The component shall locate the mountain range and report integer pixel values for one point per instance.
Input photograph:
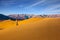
(26, 16)
(4, 17)
(13, 17)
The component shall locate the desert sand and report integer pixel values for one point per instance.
(31, 29)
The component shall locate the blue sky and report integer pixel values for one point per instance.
(29, 6)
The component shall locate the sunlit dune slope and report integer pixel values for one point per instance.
(34, 29)
(28, 21)
(7, 23)
(46, 29)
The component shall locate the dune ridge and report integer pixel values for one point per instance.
(33, 29)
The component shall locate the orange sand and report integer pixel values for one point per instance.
(31, 29)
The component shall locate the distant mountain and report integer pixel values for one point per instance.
(14, 17)
(26, 16)
(20, 16)
(47, 16)
(3, 17)
(54, 16)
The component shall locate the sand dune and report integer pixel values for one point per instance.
(30, 21)
(33, 29)
(7, 23)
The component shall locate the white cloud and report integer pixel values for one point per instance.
(54, 11)
(37, 3)
(54, 7)
(43, 2)
(51, 8)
